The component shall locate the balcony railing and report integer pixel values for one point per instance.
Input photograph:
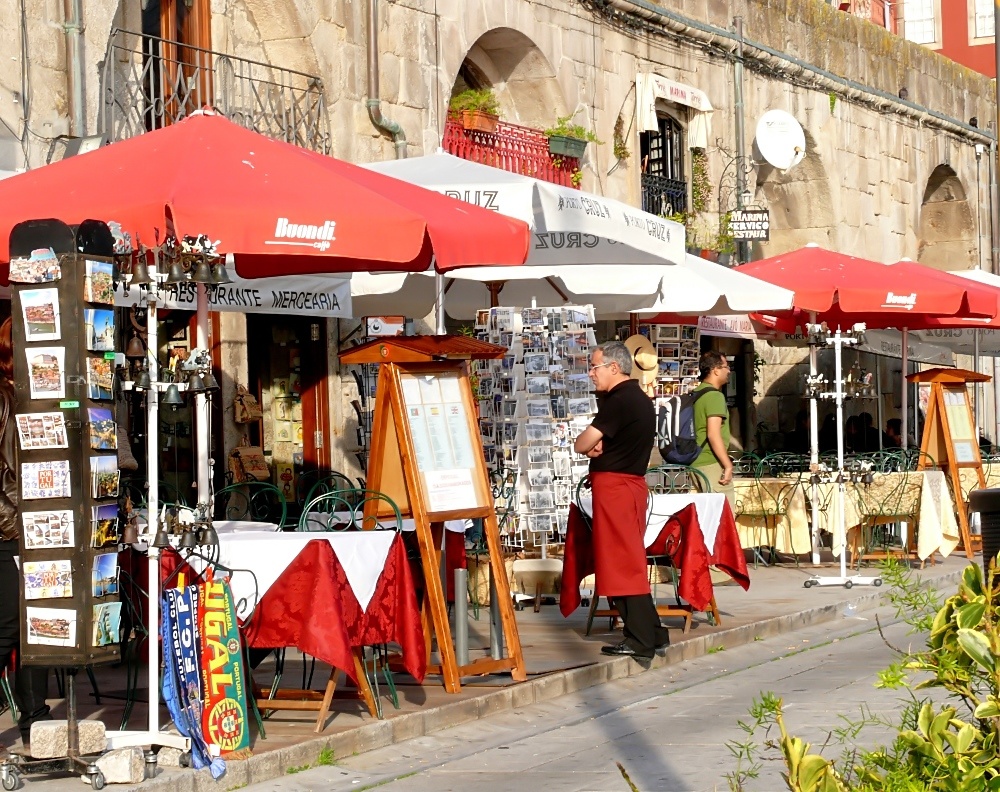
(511, 148)
(149, 82)
(662, 196)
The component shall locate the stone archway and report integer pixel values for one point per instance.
(524, 81)
(946, 238)
(800, 203)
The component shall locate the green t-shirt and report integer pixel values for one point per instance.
(707, 405)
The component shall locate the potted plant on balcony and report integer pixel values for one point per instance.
(569, 140)
(477, 108)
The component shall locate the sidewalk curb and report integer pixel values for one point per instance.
(269, 765)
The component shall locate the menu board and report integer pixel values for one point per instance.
(963, 435)
(443, 444)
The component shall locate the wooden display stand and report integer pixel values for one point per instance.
(949, 437)
(426, 456)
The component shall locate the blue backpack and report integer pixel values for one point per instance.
(675, 430)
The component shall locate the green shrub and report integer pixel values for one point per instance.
(482, 99)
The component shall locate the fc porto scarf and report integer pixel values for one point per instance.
(181, 680)
(225, 715)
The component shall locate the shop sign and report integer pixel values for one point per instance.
(301, 295)
(750, 225)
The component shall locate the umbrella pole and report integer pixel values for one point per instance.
(204, 448)
(975, 385)
(814, 451)
(904, 397)
(439, 303)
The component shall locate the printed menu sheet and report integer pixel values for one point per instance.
(442, 441)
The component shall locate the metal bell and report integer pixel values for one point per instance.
(196, 384)
(135, 348)
(162, 538)
(130, 535)
(210, 382)
(188, 540)
(140, 274)
(202, 273)
(175, 272)
(142, 382)
(220, 274)
(172, 397)
(207, 535)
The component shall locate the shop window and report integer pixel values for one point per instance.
(664, 185)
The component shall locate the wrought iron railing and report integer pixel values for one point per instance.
(662, 196)
(150, 82)
(511, 148)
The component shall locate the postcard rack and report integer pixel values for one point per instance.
(63, 333)
(532, 405)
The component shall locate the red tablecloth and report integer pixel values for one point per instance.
(681, 538)
(312, 607)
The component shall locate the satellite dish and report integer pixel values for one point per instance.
(780, 139)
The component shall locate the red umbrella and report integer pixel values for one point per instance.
(278, 208)
(842, 290)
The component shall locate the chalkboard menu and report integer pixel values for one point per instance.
(63, 334)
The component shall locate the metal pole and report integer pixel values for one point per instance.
(439, 303)
(496, 626)
(841, 490)
(904, 397)
(462, 617)
(153, 513)
(741, 247)
(814, 451)
(204, 444)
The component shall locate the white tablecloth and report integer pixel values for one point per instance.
(267, 554)
(661, 508)
(318, 521)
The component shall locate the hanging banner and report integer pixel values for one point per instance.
(300, 295)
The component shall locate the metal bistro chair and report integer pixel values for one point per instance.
(503, 485)
(891, 499)
(258, 501)
(766, 502)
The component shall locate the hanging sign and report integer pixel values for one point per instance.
(301, 295)
(750, 225)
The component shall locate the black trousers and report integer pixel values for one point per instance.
(641, 623)
(31, 683)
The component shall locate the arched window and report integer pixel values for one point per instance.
(664, 182)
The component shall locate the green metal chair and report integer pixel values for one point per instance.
(891, 498)
(257, 501)
(331, 481)
(664, 479)
(776, 480)
(503, 486)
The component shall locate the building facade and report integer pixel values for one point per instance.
(958, 29)
(886, 174)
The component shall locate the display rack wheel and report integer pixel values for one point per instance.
(185, 759)
(877, 582)
(10, 779)
(97, 780)
(848, 584)
(808, 583)
(149, 768)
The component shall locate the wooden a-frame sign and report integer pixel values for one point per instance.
(949, 437)
(426, 456)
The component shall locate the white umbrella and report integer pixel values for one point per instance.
(702, 287)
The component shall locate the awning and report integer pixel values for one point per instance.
(650, 87)
(299, 295)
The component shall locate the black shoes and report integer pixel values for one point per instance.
(624, 650)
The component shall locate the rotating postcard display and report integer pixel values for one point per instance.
(63, 330)
(532, 405)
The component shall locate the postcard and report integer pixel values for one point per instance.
(98, 282)
(48, 579)
(45, 529)
(560, 464)
(668, 333)
(47, 372)
(105, 574)
(40, 308)
(538, 385)
(99, 382)
(536, 363)
(104, 525)
(99, 328)
(540, 523)
(41, 430)
(45, 480)
(51, 626)
(541, 499)
(41, 267)
(103, 432)
(539, 477)
(107, 623)
(104, 476)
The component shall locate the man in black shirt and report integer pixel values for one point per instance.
(619, 442)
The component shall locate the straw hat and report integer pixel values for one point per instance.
(644, 361)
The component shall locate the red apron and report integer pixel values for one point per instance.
(619, 529)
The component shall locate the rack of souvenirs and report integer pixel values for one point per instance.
(533, 404)
(678, 347)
